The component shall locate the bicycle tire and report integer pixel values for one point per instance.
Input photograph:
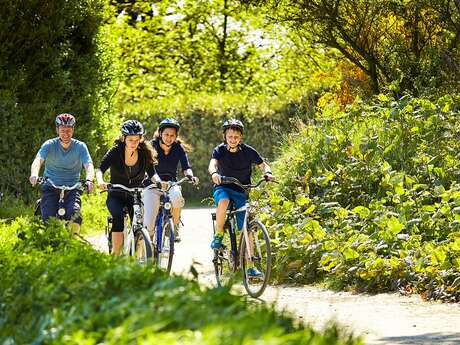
(38, 209)
(261, 258)
(143, 251)
(225, 259)
(164, 257)
(108, 234)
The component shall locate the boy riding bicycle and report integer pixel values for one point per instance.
(233, 158)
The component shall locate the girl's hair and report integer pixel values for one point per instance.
(144, 146)
(187, 147)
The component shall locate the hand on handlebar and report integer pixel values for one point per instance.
(216, 178)
(33, 180)
(102, 185)
(89, 186)
(269, 177)
(193, 179)
(164, 185)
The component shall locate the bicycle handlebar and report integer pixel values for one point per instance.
(115, 186)
(230, 180)
(42, 180)
(170, 184)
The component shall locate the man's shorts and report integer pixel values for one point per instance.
(50, 202)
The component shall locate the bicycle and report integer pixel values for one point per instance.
(163, 235)
(60, 214)
(254, 245)
(136, 239)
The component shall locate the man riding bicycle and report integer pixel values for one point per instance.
(233, 158)
(64, 157)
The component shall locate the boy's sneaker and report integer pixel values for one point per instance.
(253, 272)
(217, 241)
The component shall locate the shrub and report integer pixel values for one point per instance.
(57, 290)
(369, 198)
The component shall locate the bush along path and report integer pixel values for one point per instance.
(369, 199)
(57, 290)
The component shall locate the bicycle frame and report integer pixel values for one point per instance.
(136, 223)
(164, 217)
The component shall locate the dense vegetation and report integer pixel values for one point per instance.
(51, 62)
(57, 290)
(369, 198)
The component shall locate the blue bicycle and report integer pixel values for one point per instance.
(163, 236)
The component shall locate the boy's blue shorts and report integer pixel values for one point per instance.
(238, 199)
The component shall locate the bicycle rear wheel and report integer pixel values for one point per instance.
(165, 255)
(261, 257)
(143, 251)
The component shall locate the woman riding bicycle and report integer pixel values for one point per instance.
(170, 152)
(232, 158)
(128, 160)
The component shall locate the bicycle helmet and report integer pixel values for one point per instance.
(233, 123)
(132, 127)
(169, 122)
(65, 120)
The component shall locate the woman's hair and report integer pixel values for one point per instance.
(187, 147)
(144, 146)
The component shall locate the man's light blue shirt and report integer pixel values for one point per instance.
(63, 167)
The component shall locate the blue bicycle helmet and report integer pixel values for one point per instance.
(169, 123)
(132, 127)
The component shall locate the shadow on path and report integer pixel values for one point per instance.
(424, 339)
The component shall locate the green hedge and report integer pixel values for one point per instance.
(370, 198)
(50, 62)
(56, 290)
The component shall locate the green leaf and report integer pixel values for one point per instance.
(362, 211)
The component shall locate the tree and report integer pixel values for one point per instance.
(174, 47)
(412, 44)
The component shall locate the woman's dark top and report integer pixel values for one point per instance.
(167, 163)
(120, 173)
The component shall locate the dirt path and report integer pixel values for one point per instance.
(380, 319)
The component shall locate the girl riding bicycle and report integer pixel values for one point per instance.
(128, 160)
(233, 158)
(170, 152)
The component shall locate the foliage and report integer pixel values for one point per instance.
(369, 198)
(57, 290)
(50, 63)
(94, 213)
(404, 46)
(175, 47)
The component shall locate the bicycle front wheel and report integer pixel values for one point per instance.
(143, 251)
(165, 255)
(260, 259)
